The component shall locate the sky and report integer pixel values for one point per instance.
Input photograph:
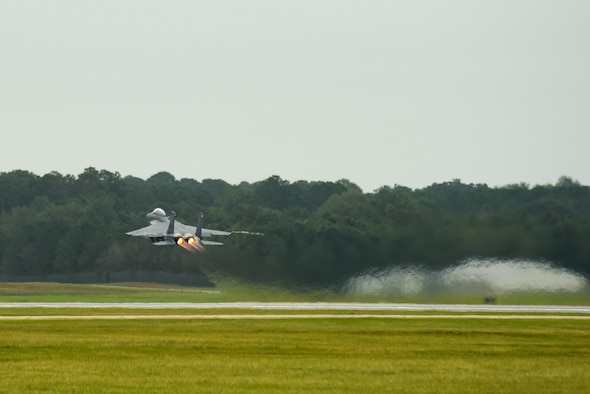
(381, 93)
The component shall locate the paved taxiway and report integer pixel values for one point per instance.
(296, 316)
(351, 310)
(310, 306)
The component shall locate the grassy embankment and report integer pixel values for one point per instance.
(232, 291)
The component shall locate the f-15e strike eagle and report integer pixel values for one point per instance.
(165, 230)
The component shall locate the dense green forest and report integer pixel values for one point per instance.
(316, 233)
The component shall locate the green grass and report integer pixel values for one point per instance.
(121, 292)
(293, 356)
(227, 291)
(232, 291)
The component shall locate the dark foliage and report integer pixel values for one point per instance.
(315, 232)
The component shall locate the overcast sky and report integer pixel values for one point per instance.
(378, 92)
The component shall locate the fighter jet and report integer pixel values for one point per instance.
(165, 230)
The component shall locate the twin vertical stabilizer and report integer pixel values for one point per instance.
(199, 230)
(171, 224)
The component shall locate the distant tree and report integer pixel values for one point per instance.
(216, 187)
(57, 188)
(348, 185)
(16, 189)
(272, 193)
(565, 181)
(161, 179)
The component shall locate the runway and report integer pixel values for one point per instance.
(291, 317)
(352, 308)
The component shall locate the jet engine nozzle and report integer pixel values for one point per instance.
(179, 239)
(191, 239)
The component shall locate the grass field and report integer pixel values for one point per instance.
(232, 291)
(321, 355)
(302, 355)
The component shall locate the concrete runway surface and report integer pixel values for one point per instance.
(308, 306)
(353, 310)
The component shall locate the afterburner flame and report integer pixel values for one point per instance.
(180, 241)
(197, 245)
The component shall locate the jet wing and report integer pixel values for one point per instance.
(205, 232)
(155, 229)
(211, 243)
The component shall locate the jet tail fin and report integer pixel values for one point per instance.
(199, 231)
(171, 224)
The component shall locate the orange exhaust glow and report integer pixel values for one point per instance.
(185, 246)
(180, 241)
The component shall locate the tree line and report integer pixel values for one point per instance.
(315, 233)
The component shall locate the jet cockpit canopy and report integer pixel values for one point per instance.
(157, 214)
